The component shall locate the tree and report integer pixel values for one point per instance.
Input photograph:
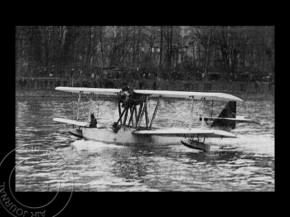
(227, 49)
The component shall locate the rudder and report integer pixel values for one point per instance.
(228, 112)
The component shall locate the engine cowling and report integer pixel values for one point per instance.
(128, 98)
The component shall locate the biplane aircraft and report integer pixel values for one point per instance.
(133, 109)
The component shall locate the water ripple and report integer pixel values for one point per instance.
(97, 166)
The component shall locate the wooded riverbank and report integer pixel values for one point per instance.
(48, 85)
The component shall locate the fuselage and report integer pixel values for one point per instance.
(125, 136)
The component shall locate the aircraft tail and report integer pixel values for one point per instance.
(228, 112)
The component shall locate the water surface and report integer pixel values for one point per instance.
(95, 166)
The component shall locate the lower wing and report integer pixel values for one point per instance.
(179, 132)
(73, 122)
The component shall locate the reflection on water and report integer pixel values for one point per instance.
(97, 166)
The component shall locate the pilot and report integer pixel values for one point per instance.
(115, 127)
(93, 123)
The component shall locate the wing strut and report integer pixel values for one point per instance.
(191, 113)
(120, 118)
(203, 112)
(155, 111)
(132, 110)
(211, 108)
(120, 113)
(139, 115)
(126, 115)
(144, 109)
(79, 100)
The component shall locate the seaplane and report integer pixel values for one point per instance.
(134, 125)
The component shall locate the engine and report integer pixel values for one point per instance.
(128, 98)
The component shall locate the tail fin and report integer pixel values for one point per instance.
(228, 112)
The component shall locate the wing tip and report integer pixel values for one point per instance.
(59, 88)
(239, 99)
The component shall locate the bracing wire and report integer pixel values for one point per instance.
(98, 110)
(191, 114)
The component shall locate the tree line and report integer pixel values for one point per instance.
(165, 52)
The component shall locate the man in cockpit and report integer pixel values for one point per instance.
(93, 123)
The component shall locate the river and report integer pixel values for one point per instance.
(95, 166)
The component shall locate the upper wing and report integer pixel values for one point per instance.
(185, 132)
(188, 95)
(155, 93)
(87, 90)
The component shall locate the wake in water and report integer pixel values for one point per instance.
(92, 145)
(256, 144)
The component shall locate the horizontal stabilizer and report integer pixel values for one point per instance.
(185, 132)
(73, 122)
(238, 119)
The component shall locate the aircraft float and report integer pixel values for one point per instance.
(133, 110)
